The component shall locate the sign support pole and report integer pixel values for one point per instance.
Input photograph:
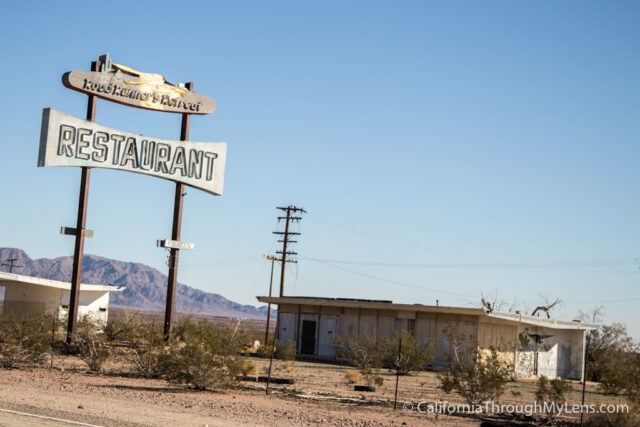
(175, 234)
(76, 275)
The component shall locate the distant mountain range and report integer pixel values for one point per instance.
(146, 287)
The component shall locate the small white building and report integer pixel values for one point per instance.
(534, 345)
(31, 295)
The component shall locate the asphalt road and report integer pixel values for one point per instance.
(27, 419)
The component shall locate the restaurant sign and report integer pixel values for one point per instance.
(69, 141)
(127, 86)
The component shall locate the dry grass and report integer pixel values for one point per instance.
(353, 377)
(247, 367)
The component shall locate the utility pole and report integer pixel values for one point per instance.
(172, 280)
(285, 239)
(272, 259)
(11, 264)
(283, 260)
(83, 199)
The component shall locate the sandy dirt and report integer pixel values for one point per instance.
(68, 392)
(114, 397)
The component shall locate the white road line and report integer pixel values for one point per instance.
(48, 418)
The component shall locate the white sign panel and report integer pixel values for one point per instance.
(177, 244)
(69, 141)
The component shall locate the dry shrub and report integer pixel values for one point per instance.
(247, 367)
(630, 387)
(202, 355)
(144, 357)
(353, 377)
(552, 392)
(131, 330)
(363, 352)
(477, 377)
(287, 351)
(24, 341)
(619, 365)
(90, 345)
(412, 355)
(378, 380)
(265, 349)
(607, 352)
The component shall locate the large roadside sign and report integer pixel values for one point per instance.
(69, 141)
(137, 89)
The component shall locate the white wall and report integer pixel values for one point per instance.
(287, 327)
(328, 330)
(89, 303)
(25, 298)
(559, 355)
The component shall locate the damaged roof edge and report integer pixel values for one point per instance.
(373, 304)
(546, 323)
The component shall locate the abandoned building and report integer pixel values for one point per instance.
(535, 345)
(25, 295)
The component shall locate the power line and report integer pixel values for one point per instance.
(613, 301)
(524, 265)
(394, 281)
(633, 299)
(220, 262)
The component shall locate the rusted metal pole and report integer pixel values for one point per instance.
(395, 399)
(153, 323)
(584, 378)
(266, 335)
(53, 339)
(273, 350)
(78, 251)
(175, 235)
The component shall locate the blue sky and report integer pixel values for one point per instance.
(442, 149)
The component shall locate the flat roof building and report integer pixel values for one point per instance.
(30, 295)
(535, 346)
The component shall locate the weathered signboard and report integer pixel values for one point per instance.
(176, 244)
(70, 231)
(137, 89)
(69, 141)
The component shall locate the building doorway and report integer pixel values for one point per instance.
(308, 341)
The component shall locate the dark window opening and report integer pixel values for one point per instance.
(308, 342)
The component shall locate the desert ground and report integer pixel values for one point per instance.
(62, 391)
(320, 396)
(68, 392)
